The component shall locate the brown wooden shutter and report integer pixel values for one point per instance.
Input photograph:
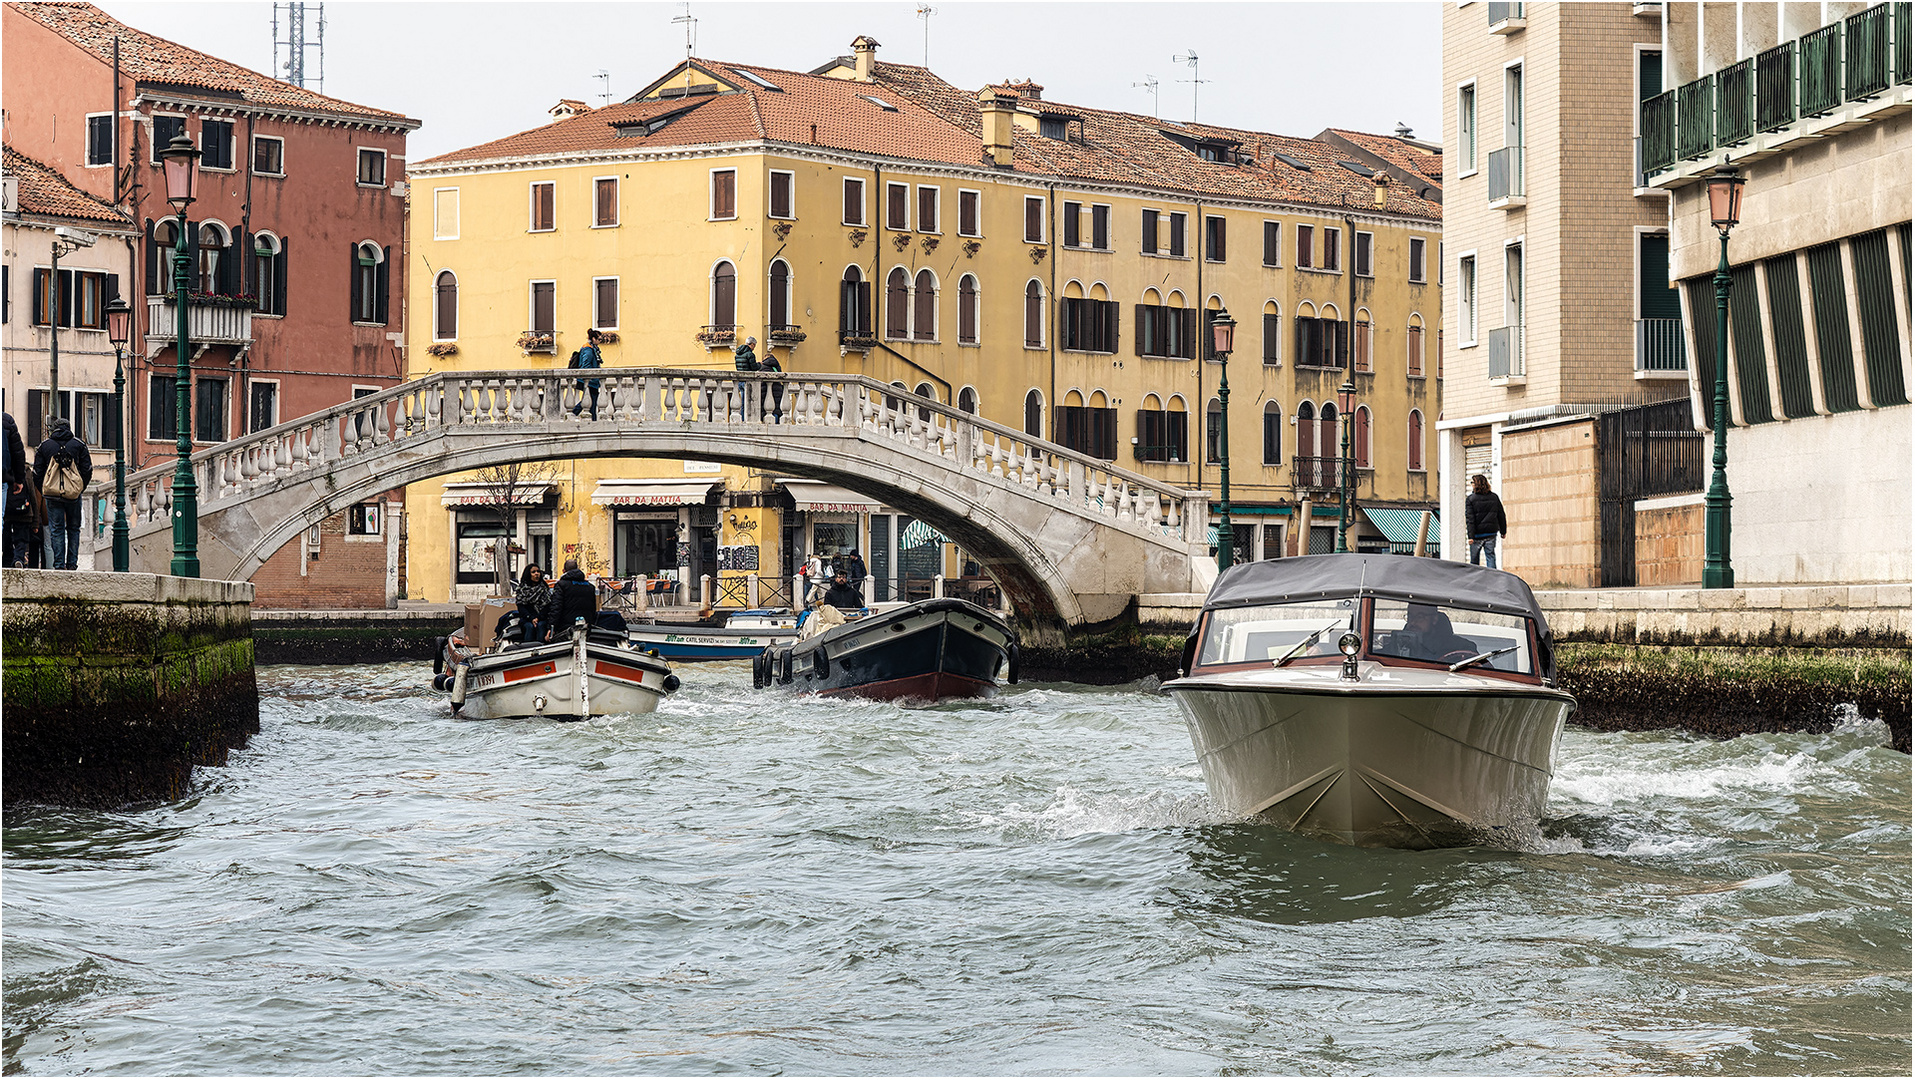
(447, 297)
(854, 202)
(894, 207)
(724, 296)
(1177, 234)
(1271, 230)
(607, 191)
(896, 304)
(1100, 227)
(928, 209)
(607, 303)
(967, 311)
(1189, 335)
(1270, 340)
(967, 213)
(1140, 332)
(1072, 228)
(544, 314)
(1034, 221)
(780, 293)
(724, 194)
(1033, 315)
(924, 308)
(1306, 246)
(1149, 229)
(781, 195)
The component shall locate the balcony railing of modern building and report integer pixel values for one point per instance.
(1506, 18)
(1756, 105)
(1506, 176)
(1506, 353)
(1659, 347)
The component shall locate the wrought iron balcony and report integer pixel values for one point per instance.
(858, 339)
(1659, 346)
(1314, 473)
(785, 334)
(539, 341)
(718, 335)
(210, 320)
(1506, 353)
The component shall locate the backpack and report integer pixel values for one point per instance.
(574, 361)
(65, 481)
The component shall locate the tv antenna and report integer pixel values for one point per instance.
(925, 11)
(297, 42)
(605, 80)
(1194, 81)
(1150, 84)
(691, 29)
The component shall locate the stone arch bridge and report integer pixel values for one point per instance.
(1073, 540)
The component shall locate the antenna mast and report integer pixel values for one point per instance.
(925, 11)
(1150, 84)
(1194, 81)
(691, 38)
(605, 80)
(296, 43)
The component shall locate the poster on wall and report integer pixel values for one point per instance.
(740, 557)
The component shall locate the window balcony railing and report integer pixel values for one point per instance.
(1900, 28)
(1735, 103)
(1659, 345)
(1865, 37)
(717, 335)
(1820, 91)
(1314, 473)
(1775, 87)
(209, 320)
(1158, 453)
(858, 339)
(1506, 353)
(1657, 122)
(1506, 18)
(786, 334)
(1506, 173)
(1695, 118)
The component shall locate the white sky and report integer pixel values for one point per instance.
(475, 71)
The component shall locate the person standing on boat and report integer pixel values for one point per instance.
(1484, 521)
(535, 598)
(572, 598)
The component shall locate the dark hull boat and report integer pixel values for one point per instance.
(925, 651)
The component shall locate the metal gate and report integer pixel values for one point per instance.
(1641, 452)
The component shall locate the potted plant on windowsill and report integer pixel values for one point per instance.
(713, 337)
(539, 341)
(443, 348)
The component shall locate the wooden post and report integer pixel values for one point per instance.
(1300, 540)
(1423, 534)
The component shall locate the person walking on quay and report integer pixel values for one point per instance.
(1484, 521)
(71, 468)
(587, 359)
(853, 565)
(534, 596)
(25, 513)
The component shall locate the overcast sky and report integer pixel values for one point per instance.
(474, 71)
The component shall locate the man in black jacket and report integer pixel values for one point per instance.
(1484, 521)
(573, 597)
(842, 594)
(63, 511)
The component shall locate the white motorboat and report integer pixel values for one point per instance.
(744, 634)
(1377, 700)
(589, 672)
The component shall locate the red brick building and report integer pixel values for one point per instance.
(296, 288)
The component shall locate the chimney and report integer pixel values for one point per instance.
(568, 108)
(1403, 130)
(867, 52)
(1026, 89)
(1382, 189)
(995, 107)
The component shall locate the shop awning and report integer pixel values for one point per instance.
(481, 493)
(652, 492)
(816, 495)
(1398, 526)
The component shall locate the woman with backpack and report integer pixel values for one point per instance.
(63, 468)
(587, 359)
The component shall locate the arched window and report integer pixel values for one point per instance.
(1360, 437)
(159, 274)
(212, 258)
(967, 401)
(1272, 334)
(1327, 447)
(1414, 361)
(967, 310)
(854, 304)
(924, 307)
(1416, 440)
(1362, 348)
(1213, 431)
(1310, 469)
(445, 306)
(724, 296)
(368, 283)
(780, 294)
(925, 390)
(266, 274)
(1272, 433)
(1033, 316)
(897, 304)
(1034, 414)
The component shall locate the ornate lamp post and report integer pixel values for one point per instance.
(1725, 209)
(181, 160)
(1346, 408)
(119, 330)
(1223, 335)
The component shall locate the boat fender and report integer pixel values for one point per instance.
(458, 688)
(784, 665)
(821, 662)
(1010, 671)
(671, 684)
(438, 655)
(760, 671)
(442, 682)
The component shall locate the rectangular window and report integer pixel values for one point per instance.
(1272, 242)
(1418, 270)
(853, 201)
(724, 194)
(263, 412)
(968, 213)
(1177, 234)
(82, 299)
(1088, 326)
(1073, 229)
(216, 144)
(1466, 298)
(1161, 436)
(1167, 332)
(165, 130)
(1466, 126)
(445, 213)
(544, 308)
(1332, 249)
(1033, 220)
(99, 139)
(605, 202)
(269, 155)
(1362, 255)
(372, 167)
(1088, 430)
(209, 410)
(1513, 105)
(1306, 246)
(928, 209)
(1321, 343)
(1100, 227)
(162, 404)
(544, 208)
(897, 207)
(781, 183)
(1213, 239)
(1148, 231)
(605, 303)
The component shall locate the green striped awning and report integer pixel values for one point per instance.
(1399, 526)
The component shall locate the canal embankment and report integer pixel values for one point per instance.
(117, 685)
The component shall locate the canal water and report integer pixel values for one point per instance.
(754, 883)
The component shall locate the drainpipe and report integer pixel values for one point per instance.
(1203, 403)
(1051, 245)
(247, 253)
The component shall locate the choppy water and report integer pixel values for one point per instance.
(750, 883)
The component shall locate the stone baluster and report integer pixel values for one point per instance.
(382, 422)
(648, 403)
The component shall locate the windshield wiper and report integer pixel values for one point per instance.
(1480, 657)
(1298, 648)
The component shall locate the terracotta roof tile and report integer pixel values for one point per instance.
(1404, 155)
(44, 191)
(149, 58)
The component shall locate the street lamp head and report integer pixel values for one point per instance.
(1346, 397)
(1725, 196)
(181, 159)
(1223, 331)
(119, 322)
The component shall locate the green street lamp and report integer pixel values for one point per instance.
(1223, 335)
(181, 161)
(1725, 209)
(1346, 409)
(119, 330)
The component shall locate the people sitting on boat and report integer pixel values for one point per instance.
(1427, 635)
(574, 598)
(843, 594)
(534, 596)
(818, 619)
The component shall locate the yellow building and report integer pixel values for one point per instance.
(1040, 264)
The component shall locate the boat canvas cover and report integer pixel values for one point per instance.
(1396, 577)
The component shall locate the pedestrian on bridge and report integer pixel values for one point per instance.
(588, 359)
(745, 357)
(773, 387)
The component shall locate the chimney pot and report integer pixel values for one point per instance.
(866, 50)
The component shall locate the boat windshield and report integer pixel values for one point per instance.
(1444, 634)
(1270, 631)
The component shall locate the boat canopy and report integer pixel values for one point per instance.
(1399, 577)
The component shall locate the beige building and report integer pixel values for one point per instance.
(1558, 308)
(1811, 103)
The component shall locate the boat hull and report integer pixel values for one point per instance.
(707, 643)
(545, 681)
(927, 651)
(1403, 766)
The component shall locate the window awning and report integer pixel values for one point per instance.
(1398, 526)
(652, 492)
(816, 495)
(481, 493)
